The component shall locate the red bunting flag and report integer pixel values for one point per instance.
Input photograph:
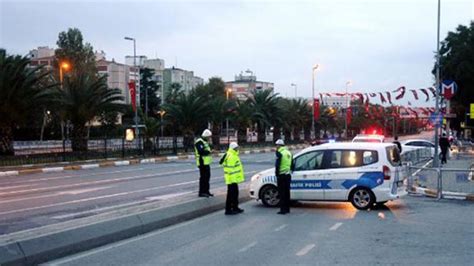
(415, 94)
(426, 94)
(389, 97)
(402, 93)
(382, 98)
(316, 109)
(433, 91)
(349, 115)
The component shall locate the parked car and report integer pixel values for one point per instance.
(362, 173)
(413, 144)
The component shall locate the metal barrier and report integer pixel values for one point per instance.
(451, 180)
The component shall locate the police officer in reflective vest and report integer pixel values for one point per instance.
(283, 163)
(202, 152)
(233, 174)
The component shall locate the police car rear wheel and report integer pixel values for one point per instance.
(269, 196)
(362, 198)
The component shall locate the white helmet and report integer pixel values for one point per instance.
(233, 145)
(280, 142)
(206, 133)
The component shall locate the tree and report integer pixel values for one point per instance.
(265, 107)
(457, 63)
(149, 87)
(188, 113)
(23, 90)
(242, 119)
(152, 128)
(80, 55)
(175, 92)
(83, 99)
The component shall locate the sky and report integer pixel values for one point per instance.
(377, 45)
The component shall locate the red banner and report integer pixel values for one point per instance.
(316, 109)
(349, 115)
(133, 94)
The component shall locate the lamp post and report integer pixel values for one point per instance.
(436, 157)
(137, 95)
(315, 67)
(348, 83)
(161, 113)
(63, 66)
(294, 85)
(227, 92)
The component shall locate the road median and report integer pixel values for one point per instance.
(38, 245)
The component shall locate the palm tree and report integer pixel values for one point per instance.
(265, 106)
(83, 99)
(22, 91)
(188, 114)
(152, 128)
(242, 119)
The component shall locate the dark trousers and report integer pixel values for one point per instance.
(283, 182)
(443, 155)
(232, 200)
(204, 176)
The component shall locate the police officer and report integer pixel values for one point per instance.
(283, 163)
(233, 174)
(203, 155)
(444, 144)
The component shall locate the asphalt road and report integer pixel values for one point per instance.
(410, 231)
(41, 199)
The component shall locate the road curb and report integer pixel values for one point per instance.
(53, 245)
(432, 193)
(128, 162)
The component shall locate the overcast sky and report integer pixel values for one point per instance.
(378, 45)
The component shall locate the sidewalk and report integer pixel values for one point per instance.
(59, 167)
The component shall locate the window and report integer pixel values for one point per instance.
(393, 156)
(309, 161)
(352, 158)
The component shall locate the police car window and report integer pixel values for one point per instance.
(369, 157)
(309, 161)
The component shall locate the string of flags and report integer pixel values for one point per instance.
(386, 96)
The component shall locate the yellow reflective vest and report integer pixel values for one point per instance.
(202, 159)
(233, 169)
(285, 159)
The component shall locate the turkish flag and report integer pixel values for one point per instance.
(133, 94)
(316, 109)
(349, 115)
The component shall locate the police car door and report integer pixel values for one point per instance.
(306, 182)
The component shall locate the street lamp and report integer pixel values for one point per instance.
(315, 67)
(137, 95)
(436, 157)
(63, 66)
(294, 85)
(161, 113)
(348, 83)
(227, 92)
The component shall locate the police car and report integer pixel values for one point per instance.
(362, 173)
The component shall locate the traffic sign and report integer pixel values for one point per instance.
(436, 119)
(448, 89)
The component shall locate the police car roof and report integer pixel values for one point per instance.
(349, 145)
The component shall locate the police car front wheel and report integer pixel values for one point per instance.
(270, 196)
(362, 198)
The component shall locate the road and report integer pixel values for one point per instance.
(37, 200)
(414, 231)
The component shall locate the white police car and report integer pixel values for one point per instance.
(362, 173)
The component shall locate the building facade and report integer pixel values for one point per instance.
(118, 76)
(185, 78)
(243, 86)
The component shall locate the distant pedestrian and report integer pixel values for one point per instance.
(233, 175)
(444, 144)
(283, 163)
(399, 145)
(203, 155)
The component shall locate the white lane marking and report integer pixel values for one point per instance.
(81, 191)
(12, 187)
(129, 241)
(280, 227)
(96, 210)
(169, 196)
(335, 226)
(249, 246)
(95, 198)
(106, 181)
(305, 250)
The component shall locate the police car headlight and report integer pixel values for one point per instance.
(255, 177)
